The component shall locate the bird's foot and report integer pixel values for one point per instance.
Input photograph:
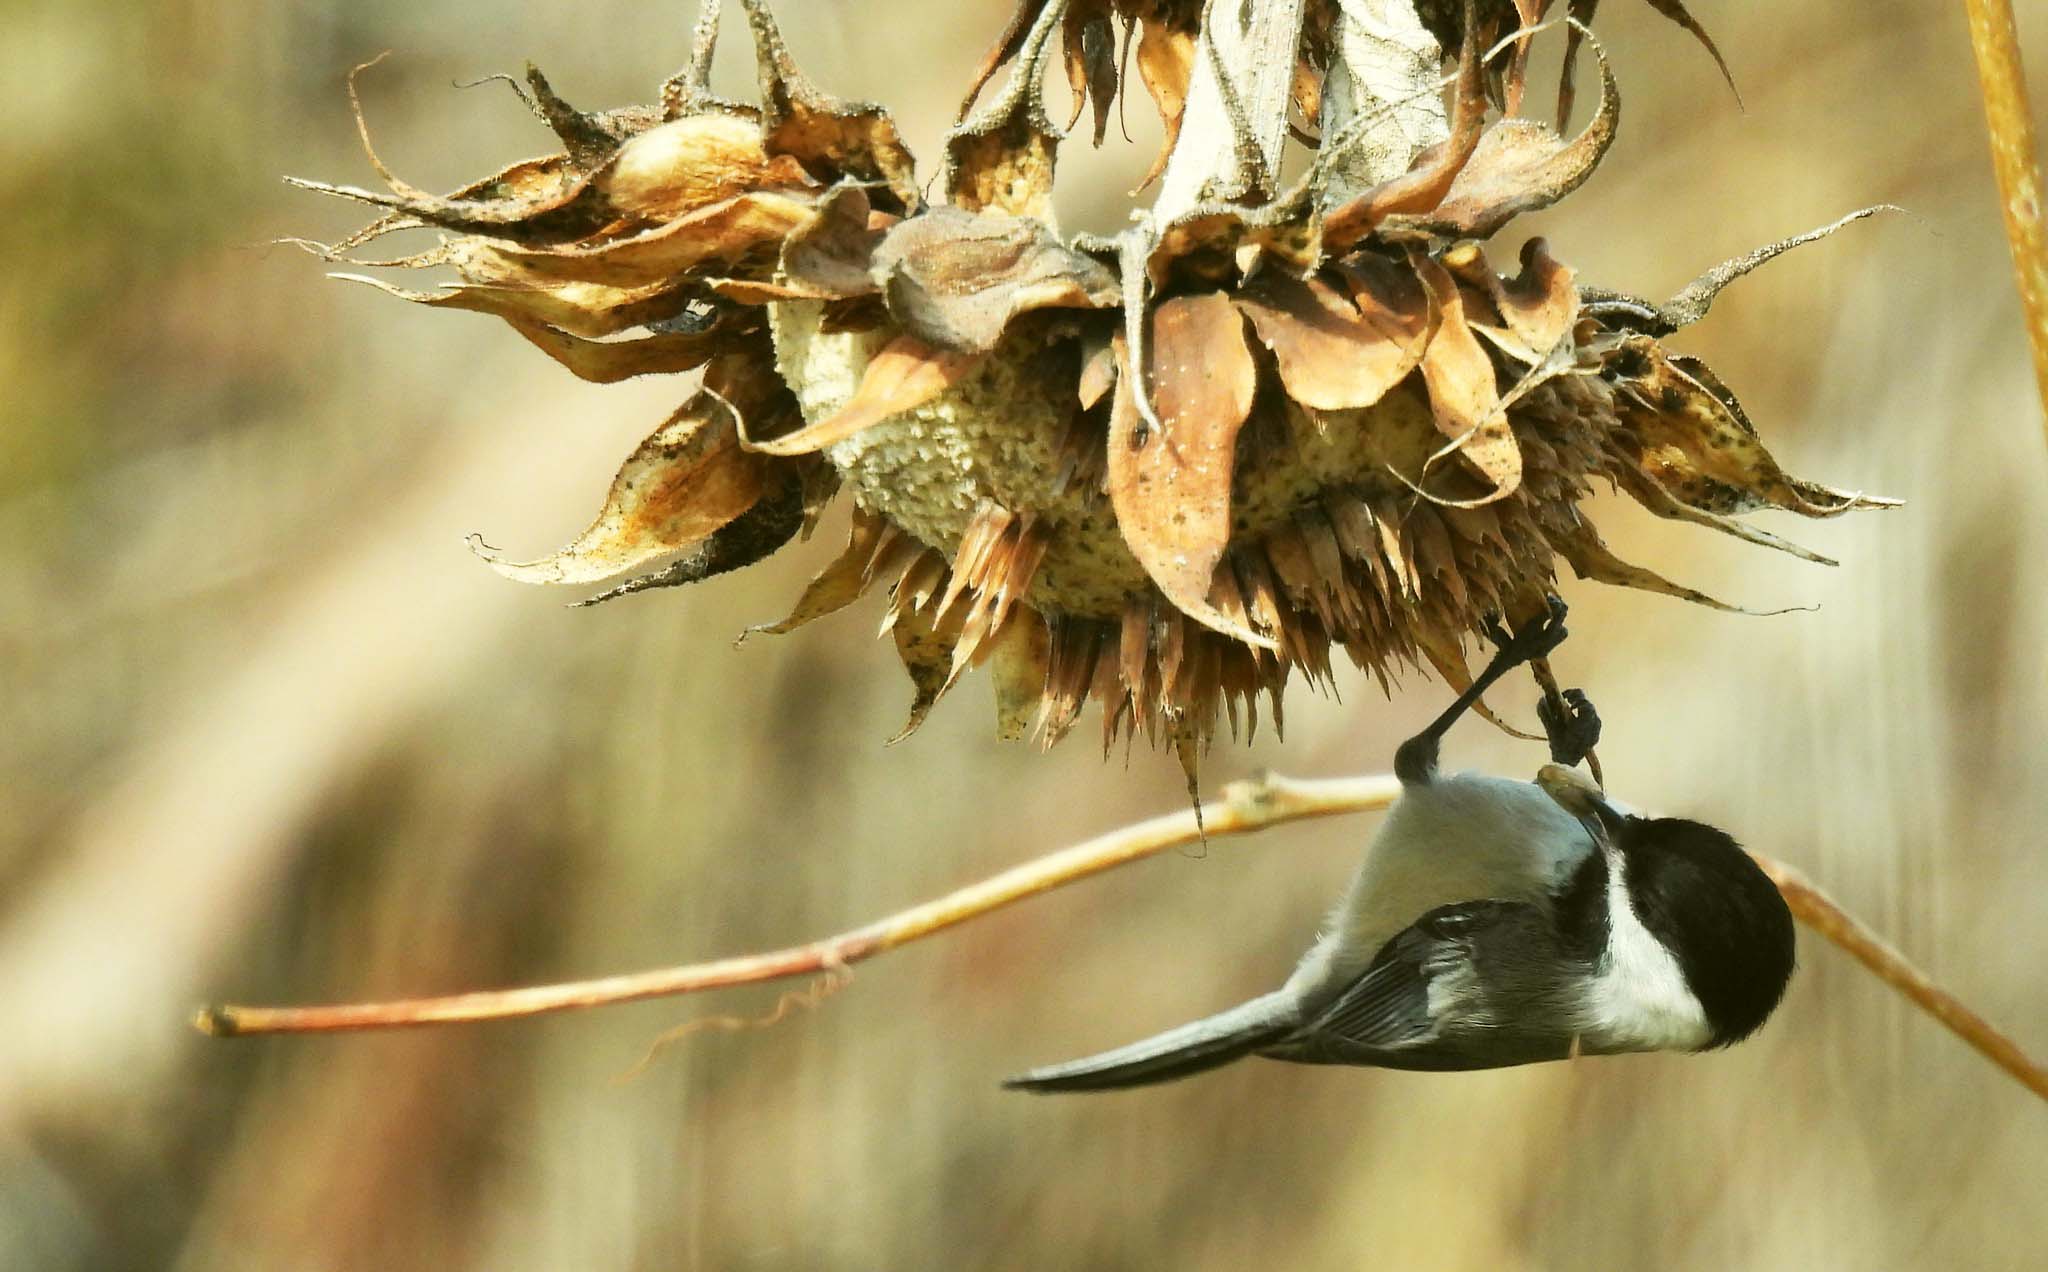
(1535, 639)
(1572, 726)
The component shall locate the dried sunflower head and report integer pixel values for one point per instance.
(1162, 471)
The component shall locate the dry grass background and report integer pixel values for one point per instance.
(267, 730)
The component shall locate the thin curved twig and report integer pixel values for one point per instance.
(1248, 805)
(2003, 83)
(1245, 806)
(1817, 910)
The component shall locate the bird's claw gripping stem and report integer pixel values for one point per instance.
(1573, 726)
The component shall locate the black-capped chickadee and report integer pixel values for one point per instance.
(1496, 923)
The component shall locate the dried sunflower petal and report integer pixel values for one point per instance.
(1336, 353)
(1171, 487)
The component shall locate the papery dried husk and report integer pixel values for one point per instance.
(959, 279)
(856, 140)
(1002, 157)
(777, 517)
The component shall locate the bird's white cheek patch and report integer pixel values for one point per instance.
(1639, 1000)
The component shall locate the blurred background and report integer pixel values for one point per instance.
(269, 733)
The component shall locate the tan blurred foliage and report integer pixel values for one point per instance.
(266, 729)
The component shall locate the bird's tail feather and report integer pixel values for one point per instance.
(1177, 1053)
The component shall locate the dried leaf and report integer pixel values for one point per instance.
(1676, 11)
(820, 482)
(1007, 166)
(905, 374)
(1171, 489)
(972, 649)
(984, 532)
(1576, 31)
(1332, 356)
(1388, 295)
(591, 137)
(1425, 183)
(1187, 748)
(1646, 490)
(1358, 534)
(1398, 550)
(1070, 672)
(1306, 90)
(957, 278)
(607, 362)
(631, 171)
(1694, 299)
(559, 215)
(546, 181)
(689, 478)
(1296, 569)
(1098, 372)
(1383, 98)
(1134, 653)
(1022, 19)
(1256, 589)
(1463, 393)
(1007, 575)
(1204, 244)
(1434, 556)
(917, 585)
(1520, 166)
(748, 292)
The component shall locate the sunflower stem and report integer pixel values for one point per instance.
(2003, 83)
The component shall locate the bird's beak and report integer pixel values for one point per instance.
(1606, 820)
(1577, 795)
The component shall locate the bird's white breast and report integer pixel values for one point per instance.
(1638, 1000)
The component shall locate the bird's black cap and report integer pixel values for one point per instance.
(1723, 919)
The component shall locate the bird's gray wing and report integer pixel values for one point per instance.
(1439, 997)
